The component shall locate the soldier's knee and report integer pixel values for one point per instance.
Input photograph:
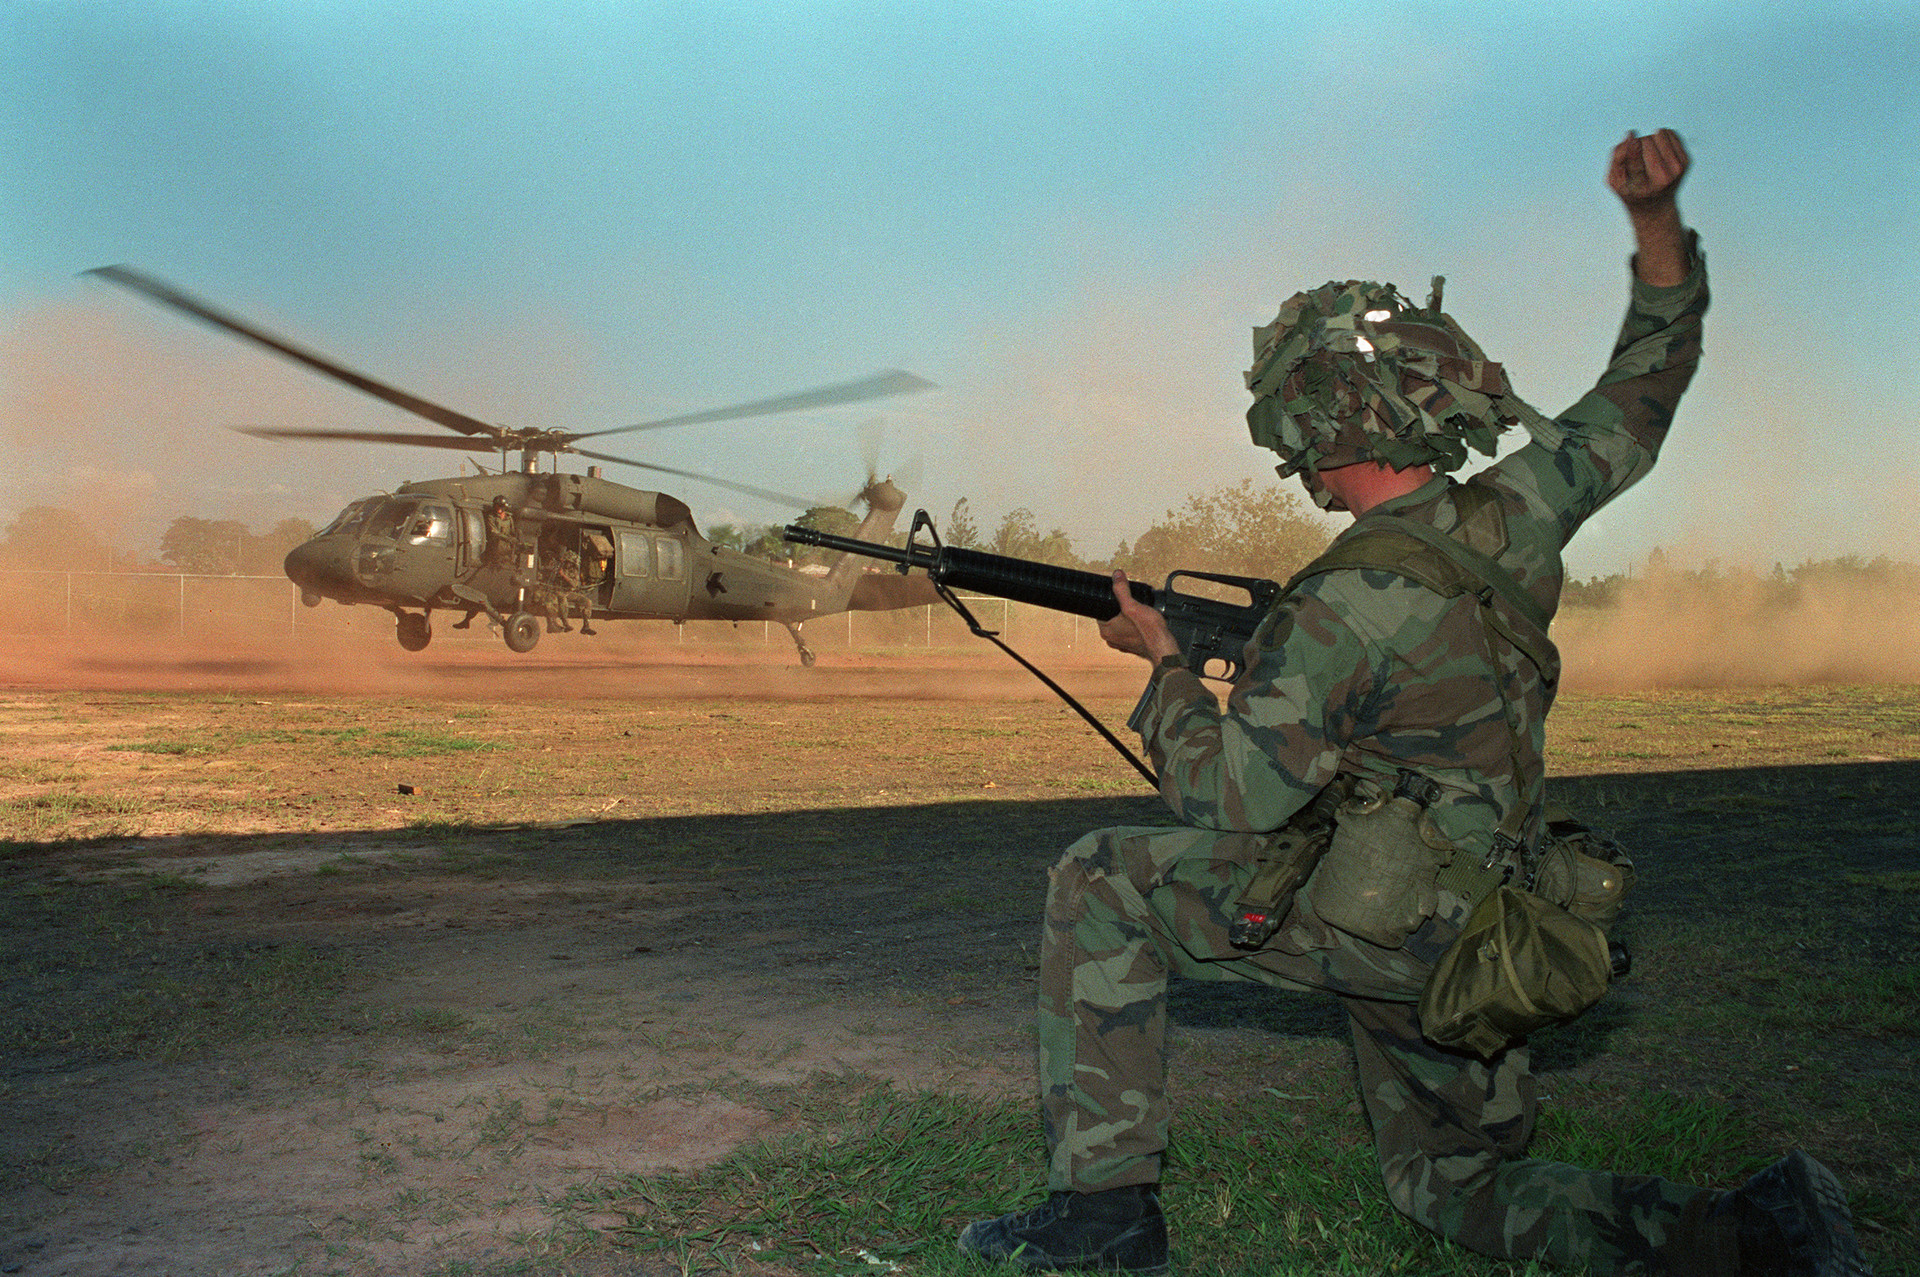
(1096, 854)
(1074, 858)
(1082, 870)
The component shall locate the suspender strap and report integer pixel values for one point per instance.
(1450, 567)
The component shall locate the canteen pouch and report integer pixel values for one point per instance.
(1376, 881)
(1520, 964)
(1583, 871)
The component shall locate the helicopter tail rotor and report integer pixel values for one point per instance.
(882, 492)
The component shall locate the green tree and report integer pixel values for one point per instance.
(264, 554)
(830, 519)
(1242, 530)
(962, 531)
(45, 536)
(767, 544)
(207, 547)
(1595, 591)
(1019, 536)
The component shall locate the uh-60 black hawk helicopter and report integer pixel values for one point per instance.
(566, 543)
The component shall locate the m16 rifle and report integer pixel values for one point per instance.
(1211, 633)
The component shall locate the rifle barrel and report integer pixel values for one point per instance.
(1088, 594)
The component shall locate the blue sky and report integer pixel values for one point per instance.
(1068, 216)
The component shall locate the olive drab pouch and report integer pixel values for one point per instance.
(1531, 958)
(1377, 879)
(1285, 863)
(1583, 871)
(1521, 964)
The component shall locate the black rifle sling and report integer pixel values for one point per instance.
(1450, 567)
(992, 636)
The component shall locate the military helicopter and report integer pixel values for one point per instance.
(522, 545)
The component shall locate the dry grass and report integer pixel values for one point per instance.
(441, 1031)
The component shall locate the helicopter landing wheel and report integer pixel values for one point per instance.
(807, 657)
(309, 599)
(414, 630)
(523, 631)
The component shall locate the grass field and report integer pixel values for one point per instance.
(487, 984)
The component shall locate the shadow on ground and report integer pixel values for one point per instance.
(877, 932)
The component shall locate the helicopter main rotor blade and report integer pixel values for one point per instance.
(765, 494)
(891, 382)
(167, 295)
(374, 436)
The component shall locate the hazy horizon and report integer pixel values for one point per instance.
(1068, 217)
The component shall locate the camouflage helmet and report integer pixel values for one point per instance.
(1352, 371)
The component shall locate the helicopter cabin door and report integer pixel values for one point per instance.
(472, 541)
(650, 574)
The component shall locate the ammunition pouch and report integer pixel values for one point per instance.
(1521, 964)
(1528, 959)
(1288, 860)
(1584, 871)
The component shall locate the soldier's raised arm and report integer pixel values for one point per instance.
(1645, 172)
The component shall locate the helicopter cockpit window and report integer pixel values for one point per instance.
(430, 525)
(350, 519)
(636, 554)
(393, 520)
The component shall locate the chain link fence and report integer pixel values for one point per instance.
(260, 608)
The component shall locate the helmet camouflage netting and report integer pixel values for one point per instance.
(1352, 371)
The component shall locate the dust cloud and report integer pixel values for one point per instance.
(631, 661)
(1655, 637)
(1737, 632)
(127, 418)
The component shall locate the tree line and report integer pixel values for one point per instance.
(1239, 530)
(1782, 587)
(49, 537)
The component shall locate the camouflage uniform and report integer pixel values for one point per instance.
(561, 592)
(501, 536)
(1363, 672)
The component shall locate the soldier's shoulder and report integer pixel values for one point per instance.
(1380, 606)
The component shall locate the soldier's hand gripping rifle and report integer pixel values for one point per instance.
(1210, 632)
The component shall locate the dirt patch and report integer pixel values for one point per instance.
(622, 662)
(606, 931)
(513, 1036)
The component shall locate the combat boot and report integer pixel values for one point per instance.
(1118, 1228)
(1793, 1222)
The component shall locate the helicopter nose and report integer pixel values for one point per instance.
(318, 569)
